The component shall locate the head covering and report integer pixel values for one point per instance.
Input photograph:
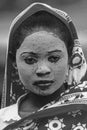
(13, 88)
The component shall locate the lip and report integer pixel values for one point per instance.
(43, 84)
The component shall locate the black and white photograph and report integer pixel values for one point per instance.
(43, 65)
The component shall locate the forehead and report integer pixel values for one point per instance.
(41, 41)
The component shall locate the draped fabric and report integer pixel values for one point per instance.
(67, 113)
(13, 88)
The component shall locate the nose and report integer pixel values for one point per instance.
(43, 70)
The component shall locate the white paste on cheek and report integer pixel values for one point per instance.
(41, 42)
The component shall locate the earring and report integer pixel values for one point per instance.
(78, 66)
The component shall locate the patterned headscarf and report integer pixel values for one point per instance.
(13, 88)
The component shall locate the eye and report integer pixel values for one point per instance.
(30, 60)
(53, 59)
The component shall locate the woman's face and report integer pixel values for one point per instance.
(42, 62)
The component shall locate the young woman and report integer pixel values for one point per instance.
(44, 58)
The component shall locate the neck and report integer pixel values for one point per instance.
(39, 100)
(33, 102)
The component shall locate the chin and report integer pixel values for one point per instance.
(44, 93)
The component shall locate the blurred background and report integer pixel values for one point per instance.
(9, 9)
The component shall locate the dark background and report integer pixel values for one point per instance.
(9, 9)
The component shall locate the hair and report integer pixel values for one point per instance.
(46, 21)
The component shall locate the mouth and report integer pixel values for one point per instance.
(43, 84)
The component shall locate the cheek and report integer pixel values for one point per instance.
(25, 73)
(60, 71)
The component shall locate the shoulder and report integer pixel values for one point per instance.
(8, 115)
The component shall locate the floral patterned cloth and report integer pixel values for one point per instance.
(69, 112)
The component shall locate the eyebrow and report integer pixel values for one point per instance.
(59, 51)
(30, 53)
(35, 54)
